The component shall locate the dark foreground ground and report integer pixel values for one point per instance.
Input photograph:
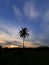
(24, 56)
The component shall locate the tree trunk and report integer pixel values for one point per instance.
(23, 42)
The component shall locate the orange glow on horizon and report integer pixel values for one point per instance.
(27, 44)
(11, 46)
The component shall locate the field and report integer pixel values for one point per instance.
(24, 57)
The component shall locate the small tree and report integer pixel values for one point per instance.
(24, 33)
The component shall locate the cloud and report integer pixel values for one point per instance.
(45, 16)
(4, 36)
(42, 39)
(30, 10)
(9, 31)
(18, 13)
(2, 41)
(11, 46)
(14, 30)
(4, 30)
(18, 43)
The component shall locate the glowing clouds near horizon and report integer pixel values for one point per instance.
(11, 46)
(17, 44)
(2, 41)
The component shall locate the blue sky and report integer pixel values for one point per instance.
(32, 14)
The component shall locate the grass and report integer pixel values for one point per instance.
(24, 57)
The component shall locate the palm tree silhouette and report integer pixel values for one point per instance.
(24, 33)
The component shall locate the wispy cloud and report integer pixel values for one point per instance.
(45, 16)
(17, 13)
(30, 10)
(4, 30)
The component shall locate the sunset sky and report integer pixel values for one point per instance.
(32, 14)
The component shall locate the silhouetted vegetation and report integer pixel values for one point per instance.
(0, 47)
(24, 56)
(24, 33)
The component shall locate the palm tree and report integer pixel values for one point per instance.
(24, 33)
